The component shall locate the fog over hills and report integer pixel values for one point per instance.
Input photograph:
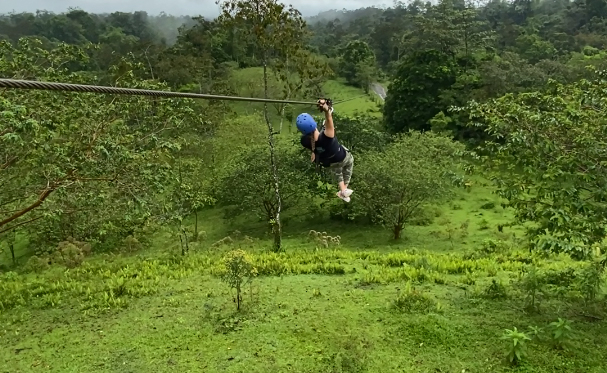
(206, 8)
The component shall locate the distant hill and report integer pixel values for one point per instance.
(345, 15)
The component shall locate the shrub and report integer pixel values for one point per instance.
(238, 271)
(516, 345)
(416, 169)
(323, 240)
(496, 290)
(410, 300)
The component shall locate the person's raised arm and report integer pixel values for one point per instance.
(329, 127)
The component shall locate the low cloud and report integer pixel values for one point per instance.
(207, 8)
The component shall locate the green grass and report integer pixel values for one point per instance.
(249, 83)
(359, 102)
(311, 310)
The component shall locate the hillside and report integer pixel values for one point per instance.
(310, 310)
(461, 230)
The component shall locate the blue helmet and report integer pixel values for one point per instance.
(305, 123)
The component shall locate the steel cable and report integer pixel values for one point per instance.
(52, 86)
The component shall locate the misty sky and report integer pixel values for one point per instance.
(206, 8)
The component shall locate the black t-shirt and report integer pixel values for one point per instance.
(327, 149)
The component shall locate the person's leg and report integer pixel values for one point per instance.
(347, 169)
(346, 173)
(337, 169)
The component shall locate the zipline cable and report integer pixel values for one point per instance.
(52, 86)
(349, 99)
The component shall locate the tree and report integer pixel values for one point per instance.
(547, 157)
(276, 31)
(302, 74)
(247, 182)
(414, 170)
(102, 160)
(414, 95)
(238, 270)
(361, 133)
(450, 28)
(357, 63)
(191, 192)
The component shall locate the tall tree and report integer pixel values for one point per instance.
(357, 63)
(412, 171)
(414, 95)
(277, 31)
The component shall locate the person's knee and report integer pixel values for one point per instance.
(339, 177)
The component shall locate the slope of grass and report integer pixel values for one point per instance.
(345, 308)
(249, 83)
(358, 102)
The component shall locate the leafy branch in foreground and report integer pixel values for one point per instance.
(90, 161)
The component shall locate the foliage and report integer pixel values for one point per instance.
(561, 333)
(66, 155)
(246, 183)
(414, 95)
(360, 133)
(496, 290)
(532, 285)
(564, 197)
(450, 27)
(516, 345)
(411, 300)
(415, 169)
(591, 279)
(356, 61)
(323, 240)
(238, 272)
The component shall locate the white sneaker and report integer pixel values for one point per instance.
(348, 193)
(345, 195)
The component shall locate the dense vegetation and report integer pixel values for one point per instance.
(147, 234)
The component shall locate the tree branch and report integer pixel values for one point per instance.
(8, 130)
(20, 224)
(11, 201)
(43, 196)
(8, 163)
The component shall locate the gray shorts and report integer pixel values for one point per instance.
(343, 169)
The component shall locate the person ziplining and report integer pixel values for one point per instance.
(326, 149)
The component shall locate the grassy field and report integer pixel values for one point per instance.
(439, 300)
(249, 83)
(425, 304)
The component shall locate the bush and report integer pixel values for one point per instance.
(414, 170)
(411, 300)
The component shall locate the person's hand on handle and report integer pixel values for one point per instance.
(323, 106)
(326, 106)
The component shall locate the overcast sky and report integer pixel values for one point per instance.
(176, 7)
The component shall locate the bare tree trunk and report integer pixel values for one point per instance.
(398, 227)
(282, 115)
(11, 246)
(277, 226)
(397, 230)
(238, 297)
(196, 225)
(282, 111)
